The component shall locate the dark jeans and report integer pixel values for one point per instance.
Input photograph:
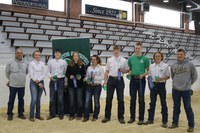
(186, 96)
(13, 92)
(56, 93)
(36, 94)
(75, 94)
(112, 84)
(137, 85)
(159, 89)
(90, 91)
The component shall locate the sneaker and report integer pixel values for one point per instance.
(50, 117)
(190, 129)
(94, 119)
(148, 122)
(71, 118)
(173, 126)
(105, 120)
(39, 118)
(22, 117)
(164, 125)
(131, 120)
(10, 118)
(61, 117)
(32, 119)
(122, 121)
(140, 122)
(85, 120)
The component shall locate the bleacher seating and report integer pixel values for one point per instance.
(33, 31)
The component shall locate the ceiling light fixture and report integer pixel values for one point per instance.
(188, 5)
(165, 1)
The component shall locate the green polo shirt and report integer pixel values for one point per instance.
(138, 65)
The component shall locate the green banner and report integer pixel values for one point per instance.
(69, 46)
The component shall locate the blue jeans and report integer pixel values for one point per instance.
(159, 89)
(75, 95)
(56, 94)
(90, 91)
(137, 85)
(186, 96)
(36, 94)
(112, 84)
(12, 95)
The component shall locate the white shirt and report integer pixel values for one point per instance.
(99, 73)
(57, 67)
(113, 64)
(161, 70)
(37, 70)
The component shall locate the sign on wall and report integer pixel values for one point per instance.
(32, 3)
(108, 12)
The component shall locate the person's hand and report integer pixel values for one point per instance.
(40, 85)
(51, 78)
(93, 75)
(141, 76)
(71, 77)
(37, 81)
(104, 83)
(78, 77)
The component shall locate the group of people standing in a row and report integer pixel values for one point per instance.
(183, 74)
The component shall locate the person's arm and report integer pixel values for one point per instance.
(65, 66)
(166, 74)
(7, 71)
(67, 74)
(49, 70)
(125, 69)
(83, 72)
(44, 72)
(105, 77)
(31, 71)
(194, 74)
(101, 76)
(146, 69)
(172, 73)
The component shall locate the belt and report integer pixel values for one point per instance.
(95, 84)
(115, 77)
(158, 82)
(135, 77)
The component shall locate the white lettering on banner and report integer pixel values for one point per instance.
(30, 4)
(95, 10)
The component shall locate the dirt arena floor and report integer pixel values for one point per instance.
(76, 126)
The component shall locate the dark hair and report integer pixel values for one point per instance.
(116, 47)
(158, 52)
(97, 58)
(18, 48)
(72, 62)
(58, 50)
(181, 50)
(36, 51)
(138, 44)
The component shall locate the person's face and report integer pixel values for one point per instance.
(180, 56)
(94, 61)
(19, 54)
(37, 56)
(116, 52)
(138, 49)
(76, 57)
(57, 55)
(158, 57)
